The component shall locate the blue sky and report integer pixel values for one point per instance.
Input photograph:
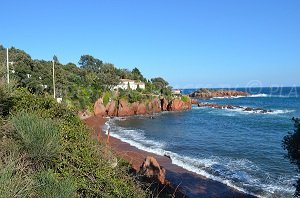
(212, 43)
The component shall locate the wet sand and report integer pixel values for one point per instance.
(192, 184)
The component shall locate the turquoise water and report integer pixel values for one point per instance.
(240, 149)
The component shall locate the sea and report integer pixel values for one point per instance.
(238, 148)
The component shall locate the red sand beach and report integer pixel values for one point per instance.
(192, 184)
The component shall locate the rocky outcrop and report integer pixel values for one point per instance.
(247, 109)
(179, 105)
(111, 109)
(123, 108)
(99, 108)
(194, 101)
(164, 104)
(211, 93)
(152, 171)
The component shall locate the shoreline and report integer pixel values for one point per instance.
(190, 183)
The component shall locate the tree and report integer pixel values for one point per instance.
(55, 59)
(159, 82)
(108, 76)
(137, 75)
(90, 63)
(291, 143)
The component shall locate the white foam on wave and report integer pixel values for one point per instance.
(259, 95)
(254, 111)
(227, 170)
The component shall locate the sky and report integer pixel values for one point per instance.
(190, 43)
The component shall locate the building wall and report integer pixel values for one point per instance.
(133, 85)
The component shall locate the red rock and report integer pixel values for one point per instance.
(111, 108)
(152, 170)
(141, 109)
(194, 101)
(99, 108)
(164, 104)
(125, 109)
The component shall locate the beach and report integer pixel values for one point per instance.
(193, 185)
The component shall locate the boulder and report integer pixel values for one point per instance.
(99, 108)
(125, 109)
(156, 105)
(141, 109)
(152, 171)
(164, 104)
(111, 108)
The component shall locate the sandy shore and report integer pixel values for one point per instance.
(193, 185)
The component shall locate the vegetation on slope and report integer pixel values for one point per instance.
(46, 151)
(79, 86)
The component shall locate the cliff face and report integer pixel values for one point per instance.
(210, 93)
(123, 108)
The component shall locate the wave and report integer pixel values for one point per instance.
(241, 110)
(255, 111)
(236, 173)
(260, 95)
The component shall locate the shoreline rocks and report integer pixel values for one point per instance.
(246, 109)
(212, 93)
(122, 107)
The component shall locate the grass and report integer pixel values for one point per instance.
(48, 185)
(15, 180)
(39, 137)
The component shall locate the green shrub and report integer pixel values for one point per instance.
(14, 178)
(185, 98)
(39, 137)
(48, 185)
(106, 98)
(90, 164)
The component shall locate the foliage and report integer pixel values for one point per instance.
(291, 143)
(185, 98)
(131, 95)
(106, 98)
(48, 185)
(159, 82)
(45, 149)
(39, 137)
(14, 179)
(80, 86)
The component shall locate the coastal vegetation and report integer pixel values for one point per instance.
(46, 150)
(79, 86)
(291, 143)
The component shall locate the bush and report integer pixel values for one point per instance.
(106, 98)
(48, 185)
(14, 178)
(39, 137)
(90, 164)
(185, 98)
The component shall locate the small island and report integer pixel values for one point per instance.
(212, 93)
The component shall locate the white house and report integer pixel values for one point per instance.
(176, 92)
(132, 84)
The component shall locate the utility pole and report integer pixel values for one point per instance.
(7, 66)
(53, 80)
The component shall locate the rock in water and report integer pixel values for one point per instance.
(153, 171)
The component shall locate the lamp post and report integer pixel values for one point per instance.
(53, 77)
(7, 65)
